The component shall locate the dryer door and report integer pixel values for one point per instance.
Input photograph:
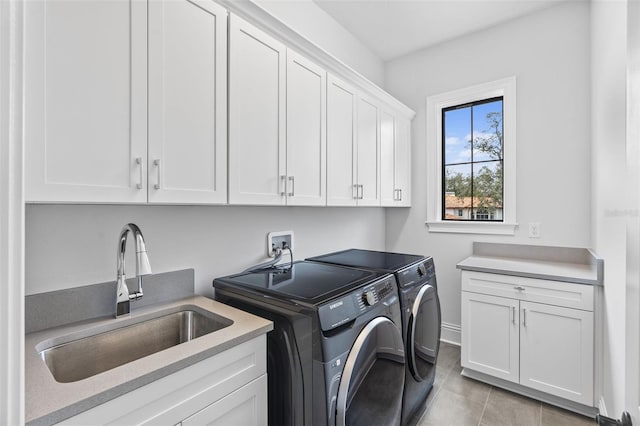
(370, 390)
(424, 333)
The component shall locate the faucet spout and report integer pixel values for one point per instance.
(123, 295)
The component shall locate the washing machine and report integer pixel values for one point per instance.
(416, 281)
(336, 354)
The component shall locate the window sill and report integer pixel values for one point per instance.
(472, 227)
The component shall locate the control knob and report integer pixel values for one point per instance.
(421, 271)
(369, 298)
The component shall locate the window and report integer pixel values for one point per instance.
(471, 151)
(472, 158)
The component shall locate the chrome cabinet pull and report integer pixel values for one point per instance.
(283, 185)
(524, 317)
(513, 314)
(157, 164)
(400, 194)
(140, 180)
(519, 288)
(395, 195)
(361, 196)
(354, 191)
(292, 179)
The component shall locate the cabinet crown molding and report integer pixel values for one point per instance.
(264, 20)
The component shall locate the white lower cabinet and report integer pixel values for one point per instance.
(229, 388)
(247, 406)
(536, 333)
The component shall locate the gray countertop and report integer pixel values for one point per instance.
(568, 264)
(48, 402)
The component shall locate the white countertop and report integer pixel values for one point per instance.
(48, 401)
(568, 264)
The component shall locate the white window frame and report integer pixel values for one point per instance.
(506, 88)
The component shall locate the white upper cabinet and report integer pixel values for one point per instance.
(92, 95)
(181, 102)
(187, 102)
(341, 143)
(85, 105)
(257, 147)
(402, 163)
(368, 148)
(353, 147)
(277, 122)
(306, 132)
(395, 160)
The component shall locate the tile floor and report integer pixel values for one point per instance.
(458, 401)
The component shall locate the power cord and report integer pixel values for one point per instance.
(266, 265)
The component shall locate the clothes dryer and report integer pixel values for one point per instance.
(421, 321)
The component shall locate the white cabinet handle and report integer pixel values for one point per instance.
(283, 185)
(354, 192)
(292, 179)
(157, 164)
(140, 167)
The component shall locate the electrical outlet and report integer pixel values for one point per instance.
(534, 229)
(280, 239)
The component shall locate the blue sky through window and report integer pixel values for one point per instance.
(473, 154)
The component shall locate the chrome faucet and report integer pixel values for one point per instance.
(123, 297)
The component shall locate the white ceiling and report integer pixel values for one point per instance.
(392, 28)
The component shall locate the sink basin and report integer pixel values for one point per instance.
(87, 356)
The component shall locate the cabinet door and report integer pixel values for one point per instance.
(85, 101)
(490, 335)
(388, 192)
(341, 140)
(368, 152)
(403, 162)
(556, 351)
(306, 132)
(246, 406)
(257, 156)
(187, 102)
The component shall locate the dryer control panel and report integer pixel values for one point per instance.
(346, 308)
(417, 274)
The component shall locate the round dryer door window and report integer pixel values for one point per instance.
(424, 333)
(370, 390)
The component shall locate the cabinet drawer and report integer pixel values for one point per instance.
(577, 296)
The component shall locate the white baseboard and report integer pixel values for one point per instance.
(602, 407)
(451, 333)
(534, 394)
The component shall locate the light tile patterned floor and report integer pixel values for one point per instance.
(458, 401)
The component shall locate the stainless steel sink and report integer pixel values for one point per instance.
(84, 357)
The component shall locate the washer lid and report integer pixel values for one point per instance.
(378, 260)
(305, 281)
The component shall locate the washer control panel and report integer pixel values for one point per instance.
(373, 294)
(344, 309)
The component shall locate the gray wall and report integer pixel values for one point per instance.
(69, 245)
(548, 52)
(610, 208)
